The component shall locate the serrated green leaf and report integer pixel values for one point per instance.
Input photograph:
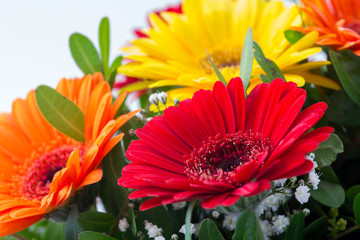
(271, 70)
(218, 73)
(293, 36)
(296, 228)
(88, 235)
(95, 221)
(329, 194)
(356, 207)
(104, 43)
(209, 231)
(60, 112)
(247, 56)
(72, 229)
(346, 65)
(248, 227)
(84, 54)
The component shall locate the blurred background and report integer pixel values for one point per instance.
(34, 38)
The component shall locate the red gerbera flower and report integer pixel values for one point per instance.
(219, 147)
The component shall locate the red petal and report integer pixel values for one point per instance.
(236, 93)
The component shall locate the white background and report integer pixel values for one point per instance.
(34, 38)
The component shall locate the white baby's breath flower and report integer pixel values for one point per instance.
(302, 194)
(123, 225)
(230, 221)
(280, 223)
(314, 179)
(260, 209)
(192, 229)
(152, 230)
(159, 238)
(266, 229)
(178, 205)
(273, 201)
(280, 182)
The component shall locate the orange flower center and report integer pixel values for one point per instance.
(220, 158)
(222, 58)
(39, 174)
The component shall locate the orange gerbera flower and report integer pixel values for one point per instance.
(40, 168)
(337, 21)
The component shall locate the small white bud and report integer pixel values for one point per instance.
(215, 214)
(162, 97)
(176, 101)
(153, 99)
(293, 179)
(174, 237)
(306, 212)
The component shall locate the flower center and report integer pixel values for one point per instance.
(221, 157)
(222, 59)
(354, 25)
(38, 176)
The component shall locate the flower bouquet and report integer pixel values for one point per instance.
(246, 126)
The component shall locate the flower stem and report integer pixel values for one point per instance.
(350, 230)
(188, 219)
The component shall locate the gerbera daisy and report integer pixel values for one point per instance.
(336, 21)
(41, 169)
(174, 53)
(219, 146)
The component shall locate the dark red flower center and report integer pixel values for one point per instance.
(38, 177)
(221, 157)
(354, 25)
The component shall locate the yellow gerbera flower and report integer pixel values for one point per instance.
(174, 53)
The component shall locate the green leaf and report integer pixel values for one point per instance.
(209, 231)
(329, 194)
(357, 208)
(346, 65)
(60, 112)
(84, 54)
(317, 229)
(104, 42)
(247, 56)
(71, 227)
(293, 36)
(218, 73)
(296, 228)
(342, 110)
(131, 216)
(327, 151)
(271, 70)
(55, 231)
(116, 63)
(95, 221)
(247, 227)
(114, 197)
(351, 194)
(87, 235)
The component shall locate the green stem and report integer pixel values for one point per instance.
(188, 219)
(350, 230)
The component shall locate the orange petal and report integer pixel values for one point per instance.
(92, 177)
